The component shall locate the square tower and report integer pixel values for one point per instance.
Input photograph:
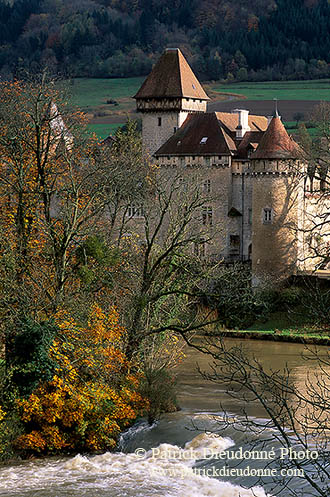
(167, 96)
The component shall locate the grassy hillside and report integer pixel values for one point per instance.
(91, 95)
(282, 90)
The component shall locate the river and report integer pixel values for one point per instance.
(184, 436)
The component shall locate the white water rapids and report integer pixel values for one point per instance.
(119, 474)
(125, 474)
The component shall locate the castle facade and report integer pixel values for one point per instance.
(264, 202)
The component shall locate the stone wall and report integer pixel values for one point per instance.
(275, 201)
(158, 127)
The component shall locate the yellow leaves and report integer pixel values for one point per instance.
(30, 407)
(31, 441)
(90, 398)
(2, 414)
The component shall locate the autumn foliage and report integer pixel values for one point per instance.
(92, 396)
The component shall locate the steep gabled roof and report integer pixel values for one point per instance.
(172, 77)
(200, 134)
(276, 143)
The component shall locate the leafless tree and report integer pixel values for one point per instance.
(166, 270)
(296, 423)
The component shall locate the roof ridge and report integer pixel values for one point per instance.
(180, 72)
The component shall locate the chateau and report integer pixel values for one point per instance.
(265, 202)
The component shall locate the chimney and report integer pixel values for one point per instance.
(243, 122)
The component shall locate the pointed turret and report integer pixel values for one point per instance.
(276, 143)
(275, 189)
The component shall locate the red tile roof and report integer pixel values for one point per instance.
(188, 140)
(172, 77)
(276, 143)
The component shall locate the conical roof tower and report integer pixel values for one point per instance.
(276, 143)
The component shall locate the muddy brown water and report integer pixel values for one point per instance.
(148, 473)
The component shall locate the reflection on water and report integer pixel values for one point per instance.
(124, 474)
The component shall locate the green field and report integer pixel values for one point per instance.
(91, 96)
(103, 130)
(90, 93)
(282, 90)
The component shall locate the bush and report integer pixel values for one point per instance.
(91, 397)
(233, 297)
(159, 386)
(27, 353)
(292, 296)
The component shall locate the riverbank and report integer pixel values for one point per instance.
(276, 336)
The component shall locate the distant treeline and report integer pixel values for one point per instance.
(222, 39)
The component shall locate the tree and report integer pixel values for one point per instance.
(59, 188)
(87, 401)
(315, 154)
(165, 272)
(298, 116)
(297, 415)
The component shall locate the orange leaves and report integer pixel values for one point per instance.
(90, 399)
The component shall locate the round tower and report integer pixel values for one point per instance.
(168, 94)
(276, 195)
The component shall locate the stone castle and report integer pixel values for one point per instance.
(264, 203)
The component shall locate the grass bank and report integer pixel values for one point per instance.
(285, 327)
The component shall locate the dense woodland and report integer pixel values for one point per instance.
(239, 40)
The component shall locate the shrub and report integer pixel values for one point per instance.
(92, 396)
(27, 354)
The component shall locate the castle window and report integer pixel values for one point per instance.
(324, 185)
(267, 216)
(234, 245)
(159, 121)
(175, 128)
(207, 186)
(199, 248)
(207, 215)
(250, 216)
(135, 211)
(234, 241)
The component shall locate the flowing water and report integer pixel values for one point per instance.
(176, 457)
